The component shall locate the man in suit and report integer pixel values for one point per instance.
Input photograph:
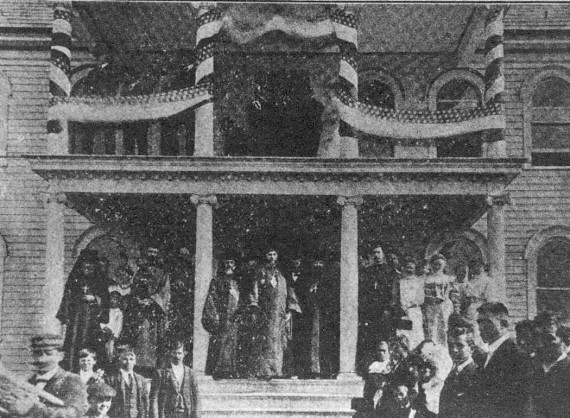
(174, 392)
(399, 403)
(504, 374)
(551, 393)
(67, 387)
(132, 400)
(457, 397)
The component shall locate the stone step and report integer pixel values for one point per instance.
(285, 400)
(277, 413)
(351, 388)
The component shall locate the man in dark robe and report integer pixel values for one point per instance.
(146, 316)
(374, 307)
(220, 320)
(276, 300)
(85, 298)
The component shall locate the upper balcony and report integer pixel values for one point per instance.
(274, 81)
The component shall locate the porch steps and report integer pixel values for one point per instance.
(279, 398)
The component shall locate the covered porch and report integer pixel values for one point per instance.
(461, 190)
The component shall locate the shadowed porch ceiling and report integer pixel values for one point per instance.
(121, 27)
(308, 224)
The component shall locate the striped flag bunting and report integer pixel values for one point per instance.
(410, 124)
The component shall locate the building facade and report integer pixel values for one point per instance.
(452, 118)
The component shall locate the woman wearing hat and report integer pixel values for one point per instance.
(437, 305)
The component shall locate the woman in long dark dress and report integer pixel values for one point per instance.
(85, 298)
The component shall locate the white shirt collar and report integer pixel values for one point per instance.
(48, 375)
(497, 343)
(126, 374)
(463, 365)
(547, 368)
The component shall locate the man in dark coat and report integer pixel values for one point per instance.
(551, 393)
(174, 392)
(132, 400)
(457, 397)
(66, 387)
(504, 375)
(374, 308)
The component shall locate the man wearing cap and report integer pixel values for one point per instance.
(219, 319)
(100, 396)
(69, 394)
(275, 298)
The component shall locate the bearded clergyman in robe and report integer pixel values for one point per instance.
(276, 300)
(146, 319)
(220, 320)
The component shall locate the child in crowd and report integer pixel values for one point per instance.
(87, 362)
(174, 391)
(378, 375)
(99, 396)
(111, 331)
(132, 399)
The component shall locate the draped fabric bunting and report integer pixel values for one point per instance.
(209, 25)
(129, 108)
(409, 124)
(344, 24)
(60, 62)
(494, 65)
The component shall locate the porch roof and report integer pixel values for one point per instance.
(275, 176)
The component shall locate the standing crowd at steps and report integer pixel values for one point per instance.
(429, 343)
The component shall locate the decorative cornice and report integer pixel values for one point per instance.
(211, 200)
(350, 200)
(500, 200)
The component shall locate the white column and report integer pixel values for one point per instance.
(153, 138)
(348, 286)
(55, 245)
(204, 137)
(203, 276)
(496, 243)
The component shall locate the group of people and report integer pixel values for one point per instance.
(103, 307)
(121, 393)
(498, 377)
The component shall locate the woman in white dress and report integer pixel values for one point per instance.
(411, 297)
(437, 305)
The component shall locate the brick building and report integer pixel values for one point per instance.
(152, 138)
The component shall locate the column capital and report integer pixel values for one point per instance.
(350, 200)
(499, 200)
(211, 200)
(53, 197)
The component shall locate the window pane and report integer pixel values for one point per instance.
(376, 93)
(554, 264)
(552, 92)
(551, 159)
(557, 301)
(458, 94)
(551, 135)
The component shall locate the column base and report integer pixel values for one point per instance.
(348, 376)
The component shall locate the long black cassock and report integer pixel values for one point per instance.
(219, 318)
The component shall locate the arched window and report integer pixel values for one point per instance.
(553, 276)
(458, 89)
(550, 122)
(459, 94)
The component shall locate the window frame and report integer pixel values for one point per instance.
(532, 250)
(537, 115)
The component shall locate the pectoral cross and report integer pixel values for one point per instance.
(85, 289)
